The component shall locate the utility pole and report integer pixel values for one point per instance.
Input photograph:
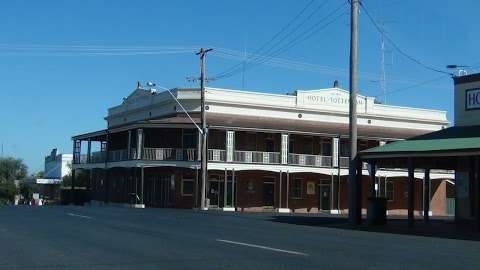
(353, 185)
(382, 65)
(202, 53)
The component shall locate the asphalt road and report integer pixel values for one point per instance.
(120, 238)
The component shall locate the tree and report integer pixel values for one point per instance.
(8, 190)
(12, 169)
(39, 174)
(81, 179)
(67, 180)
(27, 190)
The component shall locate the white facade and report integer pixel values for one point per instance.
(320, 112)
(57, 165)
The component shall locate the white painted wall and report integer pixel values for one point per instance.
(465, 117)
(58, 167)
(322, 106)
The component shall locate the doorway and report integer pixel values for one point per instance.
(230, 198)
(268, 193)
(324, 193)
(157, 191)
(214, 192)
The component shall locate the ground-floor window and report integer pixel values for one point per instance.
(390, 191)
(297, 188)
(187, 187)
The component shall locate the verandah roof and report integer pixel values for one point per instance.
(452, 139)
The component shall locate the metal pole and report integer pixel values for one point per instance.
(234, 195)
(288, 186)
(73, 197)
(331, 193)
(353, 113)
(202, 54)
(372, 191)
(142, 183)
(89, 149)
(280, 191)
(225, 189)
(411, 192)
(196, 186)
(338, 172)
(426, 195)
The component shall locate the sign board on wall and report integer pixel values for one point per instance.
(310, 188)
(472, 99)
(333, 99)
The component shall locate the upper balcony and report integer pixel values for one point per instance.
(246, 148)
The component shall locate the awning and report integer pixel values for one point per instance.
(48, 181)
(452, 140)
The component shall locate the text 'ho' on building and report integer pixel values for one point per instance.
(266, 152)
(455, 148)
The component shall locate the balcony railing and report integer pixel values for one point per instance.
(189, 154)
(217, 155)
(344, 162)
(83, 158)
(309, 160)
(98, 157)
(118, 155)
(257, 157)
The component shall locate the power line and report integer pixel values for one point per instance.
(396, 47)
(302, 66)
(89, 50)
(413, 86)
(303, 36)
(282, 30)
(93, 53)
(93, 47)
(297, 39)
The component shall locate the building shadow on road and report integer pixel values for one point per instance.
(438, 228)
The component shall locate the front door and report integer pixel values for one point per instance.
(214, 192)
(268, 193)
(324, 193)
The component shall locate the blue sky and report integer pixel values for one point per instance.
(47, 94)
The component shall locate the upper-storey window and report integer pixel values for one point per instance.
(326, 147)
(307, 145)
(190, 138)
(344, 148)
(291, 144)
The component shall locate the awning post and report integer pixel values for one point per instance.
(411, 192)
(372, 180)
(426, 195)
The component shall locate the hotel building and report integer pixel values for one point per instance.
(283, 152)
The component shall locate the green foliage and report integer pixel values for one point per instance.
(37, 175)
(67, 180)
(81, 179)
(12, 169)
(8, 190)
(27, 190)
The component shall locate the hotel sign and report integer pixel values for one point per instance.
(472, 99)
(331, 100)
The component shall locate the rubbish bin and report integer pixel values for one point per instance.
(377, 211)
